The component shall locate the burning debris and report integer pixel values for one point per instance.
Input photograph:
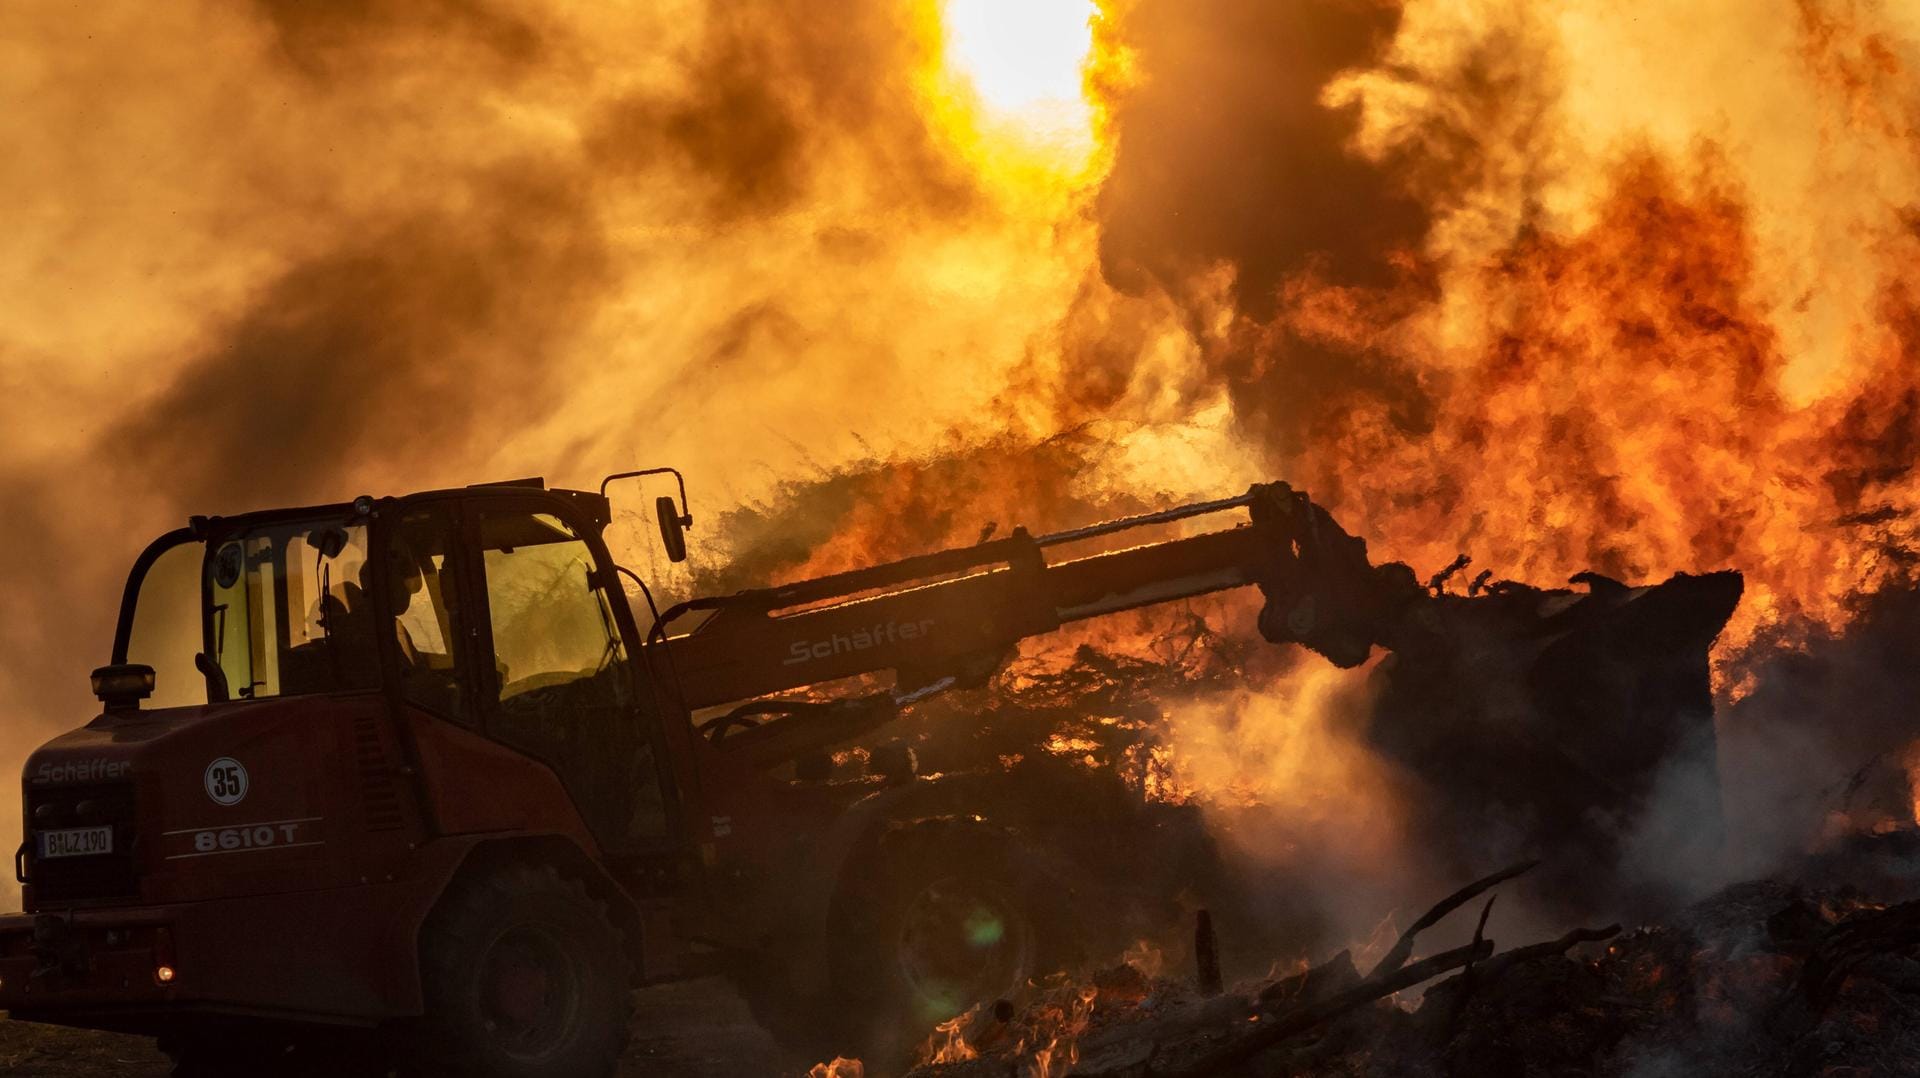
(1759, 980)
(1522, 721)
(1486, 712)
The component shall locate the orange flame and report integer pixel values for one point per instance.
(948, 1043)
(1060, 1030)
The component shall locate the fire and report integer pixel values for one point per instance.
(1626, 286)
(1152, 769)
(948, 1042)
(1560, 430)
(1044, 1037)
(1066, 745)
(1061, 1032)
(1912, 764)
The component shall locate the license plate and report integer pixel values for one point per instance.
(76, 842)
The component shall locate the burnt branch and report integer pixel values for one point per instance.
(1335, 974)
(1403, 948)
(1466, 973)
(1505, 961)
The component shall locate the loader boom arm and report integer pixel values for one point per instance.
(954, 616)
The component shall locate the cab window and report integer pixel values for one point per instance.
(166, 632)
(289, 610)
(555, 644)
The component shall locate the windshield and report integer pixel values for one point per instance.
(273, 610)
(166, 630)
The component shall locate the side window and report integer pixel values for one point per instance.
(425, 604)
(241, 573)
(288, 610)
(555, 644)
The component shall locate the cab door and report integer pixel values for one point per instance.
(557, 679)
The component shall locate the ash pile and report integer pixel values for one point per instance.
(1761, 979)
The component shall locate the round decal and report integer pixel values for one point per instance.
(226, 781)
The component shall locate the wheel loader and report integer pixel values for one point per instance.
(429, 781)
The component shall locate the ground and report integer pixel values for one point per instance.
(693, 1030)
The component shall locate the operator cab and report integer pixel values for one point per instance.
(488, 614)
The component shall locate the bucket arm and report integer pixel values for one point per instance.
(952, 618)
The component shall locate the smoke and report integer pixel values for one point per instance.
(276, 254)
(1319, 828)
(1565, 286)
(1538, 283)
(1226, 152)
(1641, 324)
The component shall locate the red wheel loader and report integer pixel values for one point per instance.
(406, 780)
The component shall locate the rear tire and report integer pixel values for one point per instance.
(524, 977)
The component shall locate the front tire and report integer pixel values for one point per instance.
(524, 977)
(936, 917)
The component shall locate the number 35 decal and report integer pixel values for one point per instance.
(226, 781)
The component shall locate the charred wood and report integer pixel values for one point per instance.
(1893, 930)
(1206, 955)
(1277, 1029)
(1337, 974)
(1501, 963)
(1403, 947)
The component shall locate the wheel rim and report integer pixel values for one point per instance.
(530, 993)
(961, 943)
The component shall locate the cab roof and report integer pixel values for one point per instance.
(594, 507)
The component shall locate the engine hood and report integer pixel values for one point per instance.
(232, 798)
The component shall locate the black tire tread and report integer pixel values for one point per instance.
(862, 1013)
(455, 929)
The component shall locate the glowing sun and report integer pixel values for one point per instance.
(1024, 57)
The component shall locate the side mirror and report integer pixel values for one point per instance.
(674, 522)
(673, 528)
